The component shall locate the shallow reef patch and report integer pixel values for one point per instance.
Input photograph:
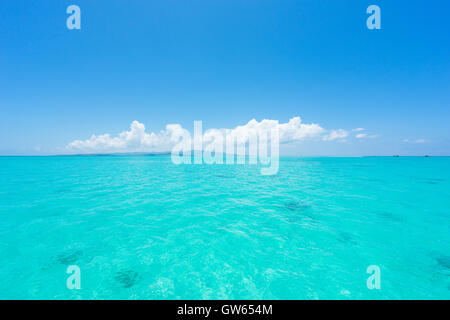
(69, 257)
(296, 206)
(389, 216)
(346, 238)
(127, 278)
(444, 262)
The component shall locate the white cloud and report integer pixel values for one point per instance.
(357, 129)
(294, 130)
(416, 141)
(336, 134)
(134, 140)
(137, 139)
(365, 135)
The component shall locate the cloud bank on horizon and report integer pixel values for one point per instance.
(137, 139)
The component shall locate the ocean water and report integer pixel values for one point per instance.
(140, 227)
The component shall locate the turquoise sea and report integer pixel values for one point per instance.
(140, 227)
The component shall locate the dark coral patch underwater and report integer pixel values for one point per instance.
(444, 262)
(127, 278)
(296, 206)
(69, 257)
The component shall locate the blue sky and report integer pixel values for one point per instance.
(225, 63)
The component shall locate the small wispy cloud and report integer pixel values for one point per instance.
(357, 129)
(367, 136)
(416, 141)
(361, 135)
(336, 134)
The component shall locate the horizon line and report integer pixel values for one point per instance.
(143, 154)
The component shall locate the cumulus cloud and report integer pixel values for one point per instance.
(137, 139)
(134, 140)
(294, 130)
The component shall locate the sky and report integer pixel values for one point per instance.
(148, 64)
